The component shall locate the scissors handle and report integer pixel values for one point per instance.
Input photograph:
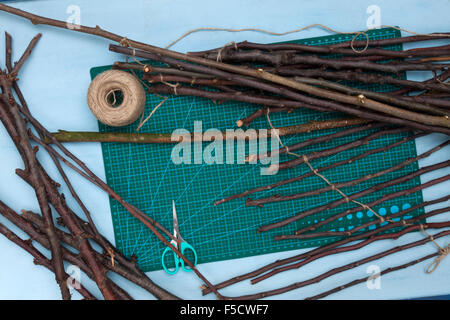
(175, 258)
(184, 246)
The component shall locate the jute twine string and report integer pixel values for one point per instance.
(444, 252)
(102, 98)
(314, 25)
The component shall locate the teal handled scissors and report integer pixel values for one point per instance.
(180, 244)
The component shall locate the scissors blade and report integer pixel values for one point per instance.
(176, 230)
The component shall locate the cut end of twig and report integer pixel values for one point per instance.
(239, 123)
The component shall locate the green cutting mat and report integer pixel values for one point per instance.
(145, 176)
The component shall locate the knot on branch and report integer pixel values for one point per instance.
(444, 252)
(124, 42)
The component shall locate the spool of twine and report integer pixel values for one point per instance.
(116, 98)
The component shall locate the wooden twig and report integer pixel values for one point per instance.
(353, 182)
(329, 249)
(320, 169)
(356, 195)
(359, 262)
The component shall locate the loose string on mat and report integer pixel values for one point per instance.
(444, 252)
(316, 172)
(318, 25)
(141, 123)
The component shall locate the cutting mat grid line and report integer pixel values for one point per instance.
(144, 175)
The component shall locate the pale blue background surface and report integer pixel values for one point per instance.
(55, 80)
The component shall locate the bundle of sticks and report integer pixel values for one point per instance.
(276, 86)
(295, 76)
(27, 135)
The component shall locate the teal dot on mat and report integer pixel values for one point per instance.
(382, 211)
(406, 206)
(341, 229)
(369, 213)
(349, 216)
(394, 209)
(359, 214)
(340, 219)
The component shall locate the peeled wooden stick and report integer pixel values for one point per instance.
(86, 136)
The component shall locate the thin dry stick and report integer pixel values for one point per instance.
(332, 248)
(359, 262)
(375, 95)
(333, 101)
(365, 78)
(316, 172)
(400, 223)
(286, 58)
(342, 103)
(356, 195)
(30, 162)
(335, 186)
(330, 166)
(301, 232)
(385, 271)
(259, 74)
(321, 26)
(40, 259)
(126, 269)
